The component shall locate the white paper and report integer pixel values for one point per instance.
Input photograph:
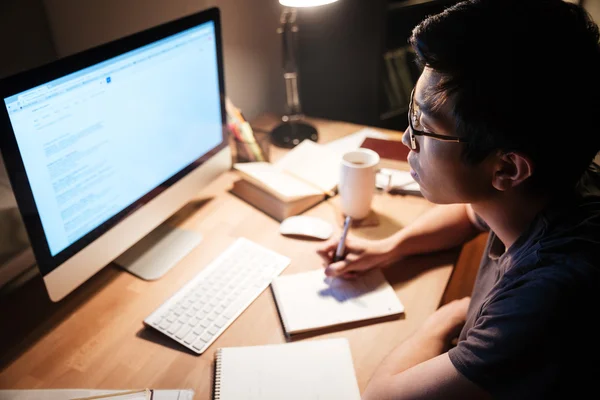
(310, 300)
(311, 370)
(400, 180)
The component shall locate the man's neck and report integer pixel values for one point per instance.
(510, 214)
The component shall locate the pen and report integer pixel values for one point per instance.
(339, 252)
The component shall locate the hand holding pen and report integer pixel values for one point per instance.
(339, 251)
(352, 256)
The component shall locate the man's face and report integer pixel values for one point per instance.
(436, 165)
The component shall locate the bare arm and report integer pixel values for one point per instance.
(420, 367)
(441, 228)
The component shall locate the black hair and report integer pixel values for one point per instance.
(524, 76)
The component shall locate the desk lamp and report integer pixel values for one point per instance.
(292, 130)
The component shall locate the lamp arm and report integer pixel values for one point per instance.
(288, 30)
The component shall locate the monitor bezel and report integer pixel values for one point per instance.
(23, 81)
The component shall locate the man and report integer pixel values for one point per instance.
(503, 127)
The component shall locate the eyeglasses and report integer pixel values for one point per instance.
(414, 121)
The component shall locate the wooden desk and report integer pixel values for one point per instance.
(94, 338)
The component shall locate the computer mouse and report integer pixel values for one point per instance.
(303, 225)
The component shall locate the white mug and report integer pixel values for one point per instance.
(357, 182)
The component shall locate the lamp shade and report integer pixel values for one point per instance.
(305, 3)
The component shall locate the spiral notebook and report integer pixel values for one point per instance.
(311, 370)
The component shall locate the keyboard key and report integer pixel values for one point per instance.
(181, 333)
(205, 323)
(164, 325)
(190, 338)
(174, 327)
(212, 330)
(171, 317)
(198, 330)
(206, 336)
(199, 345)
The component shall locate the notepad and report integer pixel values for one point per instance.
(310, 301)
(310, 370)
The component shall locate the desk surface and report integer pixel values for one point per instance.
(95, 338)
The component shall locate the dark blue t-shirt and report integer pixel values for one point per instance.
(529, 331)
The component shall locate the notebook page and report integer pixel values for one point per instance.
(312, 370)
(313, 163)
(309, 300)
(281, 184)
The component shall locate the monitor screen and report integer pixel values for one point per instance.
(100, 134)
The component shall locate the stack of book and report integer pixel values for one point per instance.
(289, 186)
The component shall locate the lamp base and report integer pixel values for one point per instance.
(291, 133)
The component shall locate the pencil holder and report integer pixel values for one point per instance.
(250, 148)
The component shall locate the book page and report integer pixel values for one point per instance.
(312, 370)
(314, 164)
(282, 185)
(310, 300)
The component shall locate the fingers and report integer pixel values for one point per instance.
(336, 269)
(326, 252)
(350, 264)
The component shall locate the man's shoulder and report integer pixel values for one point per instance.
(570, 225)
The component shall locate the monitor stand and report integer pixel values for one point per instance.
(157, 252)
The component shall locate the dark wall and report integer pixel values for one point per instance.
(26, 38)
(339, 50)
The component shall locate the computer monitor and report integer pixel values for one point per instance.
(101, 147)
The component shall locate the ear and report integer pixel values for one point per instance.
(511, 170)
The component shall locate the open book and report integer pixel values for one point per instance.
(302, 178)
(311, 370)
(310, 301)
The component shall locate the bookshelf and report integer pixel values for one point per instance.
(354, 60)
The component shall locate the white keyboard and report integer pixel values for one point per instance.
(204, 307)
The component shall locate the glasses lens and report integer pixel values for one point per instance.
(414, 117)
